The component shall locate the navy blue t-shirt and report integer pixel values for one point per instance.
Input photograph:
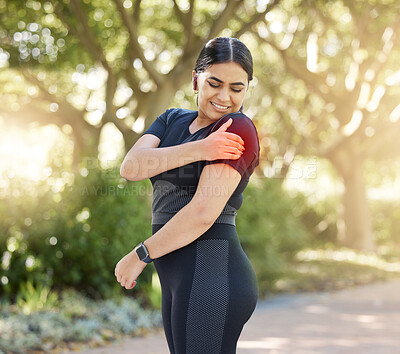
(174, 188)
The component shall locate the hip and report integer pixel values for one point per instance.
(217, 251)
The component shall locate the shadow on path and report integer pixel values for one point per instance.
(364, 319)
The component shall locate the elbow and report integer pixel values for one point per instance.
(122, 173)
(129, 172)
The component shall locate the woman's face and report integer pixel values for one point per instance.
(222, 88)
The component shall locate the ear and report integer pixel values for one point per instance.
(194, 75)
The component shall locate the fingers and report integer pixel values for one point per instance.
(229, 156)
(132, 285)
(235, 147)
(120, 279)
(128, 284)
(229, 152)
(116, 272)
(124, 282)
(240, 147)
(235, 137)
(225, 126)
(234, 154)
(234, 150)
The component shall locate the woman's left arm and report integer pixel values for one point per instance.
(218, 180)
(216, 185)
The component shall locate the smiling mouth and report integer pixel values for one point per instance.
(219, 106)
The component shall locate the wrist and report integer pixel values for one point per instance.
(142, 253)
(137, 259)
(197, 149)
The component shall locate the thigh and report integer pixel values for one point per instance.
(166, 305)
(243, 297)
(213, 291)
(199, 312)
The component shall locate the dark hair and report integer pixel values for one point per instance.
(222, 50)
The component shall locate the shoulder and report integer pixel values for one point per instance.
(240, 119)
(173, 114)
(243, 126)
(240, 123)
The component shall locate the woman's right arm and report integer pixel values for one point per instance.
(145, 159)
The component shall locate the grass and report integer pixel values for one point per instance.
(329, 269)
(74, 322)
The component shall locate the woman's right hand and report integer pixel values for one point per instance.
(222, 144)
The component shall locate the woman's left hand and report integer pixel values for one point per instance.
(128, 269)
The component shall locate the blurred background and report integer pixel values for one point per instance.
(80, 80)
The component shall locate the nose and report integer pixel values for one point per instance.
(223, 95)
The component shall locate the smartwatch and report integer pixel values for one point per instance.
(143, 253)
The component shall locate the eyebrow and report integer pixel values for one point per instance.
(233, 83)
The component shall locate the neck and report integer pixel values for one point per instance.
(202, 121)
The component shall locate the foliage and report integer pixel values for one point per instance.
(387, 224)
(76, 236)
(328, 86)
(317, 64)
(333, 268)
(326, 73)
(31, 299)
(87, 227)
(153, 291)
(269, 231)
(111, 58)
(77, 318)
(90, 223)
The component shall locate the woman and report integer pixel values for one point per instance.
(199, 168)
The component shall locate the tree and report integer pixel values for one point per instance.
(334, 93)
(145, 49)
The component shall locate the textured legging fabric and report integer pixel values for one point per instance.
(209, 291)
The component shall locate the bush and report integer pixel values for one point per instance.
(269, 231)
(74, 237)
(76, 319)
(386, 225)
(320, 219)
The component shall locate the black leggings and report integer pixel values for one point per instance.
(209, 291)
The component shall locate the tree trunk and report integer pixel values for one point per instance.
(86, 141)
(151, 107)
(354, 225)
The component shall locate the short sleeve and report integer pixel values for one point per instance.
(244, 127)
(159, 126)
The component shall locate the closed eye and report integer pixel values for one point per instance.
(215, 86)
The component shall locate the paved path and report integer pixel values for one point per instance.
(363, 320)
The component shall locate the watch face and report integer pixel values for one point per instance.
(141, 252)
